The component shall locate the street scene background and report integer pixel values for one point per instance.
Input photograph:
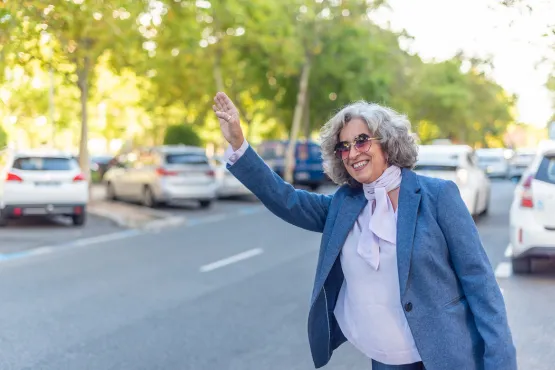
(216, 281)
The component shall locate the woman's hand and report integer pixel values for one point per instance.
(228, 115)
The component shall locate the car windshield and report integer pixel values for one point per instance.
(45, 164)
(186, 158)
(434, 167)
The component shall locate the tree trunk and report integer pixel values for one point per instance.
(51, 107)
(218, 76)
(244, 115)
(297, 116)
(83, 84)
(306, 118)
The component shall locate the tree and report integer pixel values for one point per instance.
(70, 37)
(181, 134)
(3, 137)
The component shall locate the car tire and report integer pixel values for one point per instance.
(475, 213)
(205, 203)
(3, 220)
(148, 199)
(79, 220)
(522, 265)
(111, 192)
(486, 208)
(314, 187)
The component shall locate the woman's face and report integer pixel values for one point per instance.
(364, 167)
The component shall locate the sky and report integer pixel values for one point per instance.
(511, 37)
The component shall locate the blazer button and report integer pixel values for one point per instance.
(408, 307)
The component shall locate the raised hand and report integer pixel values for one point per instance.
(228, 115)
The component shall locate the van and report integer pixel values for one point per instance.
(309, 168)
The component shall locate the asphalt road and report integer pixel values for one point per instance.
(175, 300)
(29, 233)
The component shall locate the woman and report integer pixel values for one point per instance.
(401, 274)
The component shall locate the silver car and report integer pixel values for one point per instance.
(160, 175)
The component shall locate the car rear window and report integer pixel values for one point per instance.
(270, 151)
(490, 159)
(45, 164)
(434, 167)
(186, 158)
(546, 171)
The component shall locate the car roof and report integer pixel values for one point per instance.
(178, 149)
(42, 153)
(447, 149)
(500, 151)
(546, 145)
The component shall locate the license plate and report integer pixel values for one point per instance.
(301, 176)
(47, 183)
(34, 211)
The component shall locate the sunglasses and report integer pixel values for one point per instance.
(362, 144)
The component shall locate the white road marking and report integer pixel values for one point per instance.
(233, 259)
(104, 238)
(503, 270)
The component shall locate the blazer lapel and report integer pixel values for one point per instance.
(348, 213)
(409, 200)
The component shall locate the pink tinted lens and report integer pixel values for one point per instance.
(342, 152)
(363, 145)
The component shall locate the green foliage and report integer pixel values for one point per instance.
(151, 68)
(3, 137)
(181, 134)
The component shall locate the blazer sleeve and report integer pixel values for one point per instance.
(476, 275)
(298, 207)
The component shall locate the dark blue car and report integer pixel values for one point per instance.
(309, 170)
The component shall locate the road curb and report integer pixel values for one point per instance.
(134, 217)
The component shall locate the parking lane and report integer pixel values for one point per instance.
(34, 232)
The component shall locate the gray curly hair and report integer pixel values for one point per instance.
(393, 129)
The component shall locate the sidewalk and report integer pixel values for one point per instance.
(128, 215)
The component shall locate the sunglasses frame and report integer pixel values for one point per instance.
(353, 144)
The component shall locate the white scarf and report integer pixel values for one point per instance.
(383, 224)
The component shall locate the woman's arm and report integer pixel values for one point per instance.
(298, 207)
(477, 278)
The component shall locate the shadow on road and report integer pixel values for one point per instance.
(45, 222)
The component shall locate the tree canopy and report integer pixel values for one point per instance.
(123, 71)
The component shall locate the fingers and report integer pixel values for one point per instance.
(222, 115)
(225, 101)
(218, 103)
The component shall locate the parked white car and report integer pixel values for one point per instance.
(532, 217)
(160, 175)
(495, 162)
(522, 159)
(41, 182)
(227, 184)
(457, 163)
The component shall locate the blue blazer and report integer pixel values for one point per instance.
(451, 299)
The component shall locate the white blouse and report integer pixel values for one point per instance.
(368, 309)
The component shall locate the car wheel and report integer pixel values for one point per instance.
(522, 265)
(205, 203)
(475, 213)
(110, 192)
(148, 197)
(314, 187)
(79, 220)
(3, 220)
(486, 208)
